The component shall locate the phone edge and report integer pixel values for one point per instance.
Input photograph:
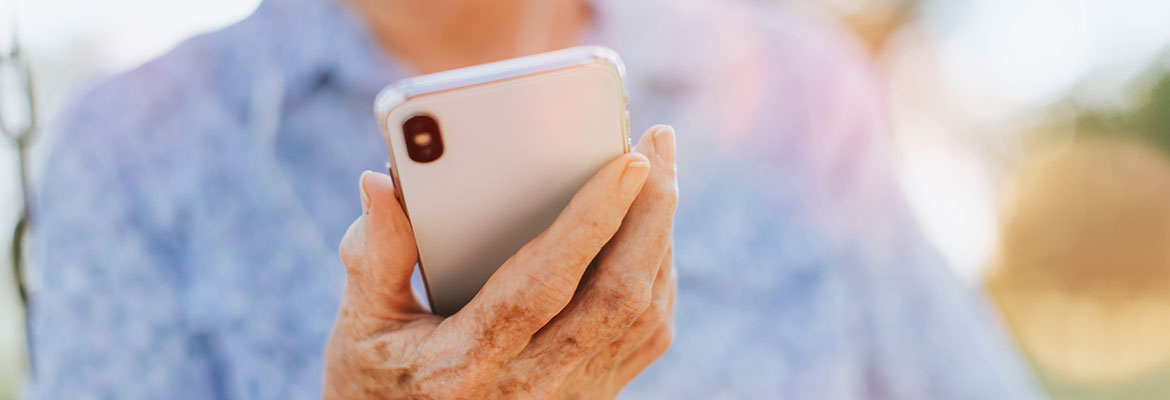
(398, 93)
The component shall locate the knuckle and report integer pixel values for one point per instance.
(600, 224)
(664, 191)
(661, 340)
(353, 245)
(373, 351)
(658, 311)
(550, 289)
(669, 171)
(519, 386)
(455, 386)
(593, 228)
(599, 368)
(626, 301)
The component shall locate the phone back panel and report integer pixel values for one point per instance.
(516, 149)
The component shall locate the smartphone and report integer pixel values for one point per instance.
(484, 158)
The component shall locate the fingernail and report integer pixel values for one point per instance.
(664, 143)
(635, 174)
(365, 194)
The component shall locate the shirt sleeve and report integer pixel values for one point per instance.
(919, 332)
(925, 333)
(107, 314)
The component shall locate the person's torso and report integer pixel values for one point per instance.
(764, 308)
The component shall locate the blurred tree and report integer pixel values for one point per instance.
(1083, 271)
(1149, 121)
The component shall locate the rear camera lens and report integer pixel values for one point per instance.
(424, 141)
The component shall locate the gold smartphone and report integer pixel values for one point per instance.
(484, 158)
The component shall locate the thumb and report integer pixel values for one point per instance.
(379, 255)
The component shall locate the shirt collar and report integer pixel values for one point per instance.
(316, 40)
(310, 41)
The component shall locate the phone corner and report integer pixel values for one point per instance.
(389, 98)
(608, 57)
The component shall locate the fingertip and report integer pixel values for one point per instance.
(635, 157)
(635, 173)
(664, 143)
(364, 191)
(376, 181)
(660, 128)
(376, 188)
(646, 143)
(384, 214)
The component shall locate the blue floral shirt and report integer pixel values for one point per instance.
(192, 207)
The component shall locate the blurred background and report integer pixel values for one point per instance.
(990, 101)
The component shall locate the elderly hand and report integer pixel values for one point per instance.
(538, 328)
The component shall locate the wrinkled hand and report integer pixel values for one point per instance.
(537, 329)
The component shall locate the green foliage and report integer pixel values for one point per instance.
(1149, 121)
